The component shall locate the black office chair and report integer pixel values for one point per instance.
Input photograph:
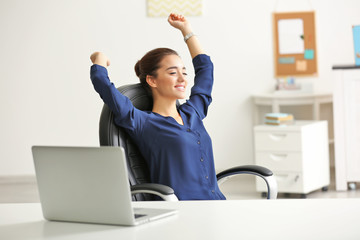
(142, 189)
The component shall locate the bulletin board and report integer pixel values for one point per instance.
(294, 44)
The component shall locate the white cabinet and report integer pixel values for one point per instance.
(297, 154)
(347, 125)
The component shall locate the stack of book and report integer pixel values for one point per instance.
(279, 119)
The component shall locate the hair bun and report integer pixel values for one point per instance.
(137, 68)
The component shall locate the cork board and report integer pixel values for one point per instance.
(294, 44)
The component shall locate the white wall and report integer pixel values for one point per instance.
(46, 96)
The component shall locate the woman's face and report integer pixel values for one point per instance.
(170, 81)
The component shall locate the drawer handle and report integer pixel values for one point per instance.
(296, 178)
(277, 137)
(278, 157)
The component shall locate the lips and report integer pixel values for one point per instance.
(180, 87)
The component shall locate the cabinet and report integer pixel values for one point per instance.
(346, 125)
(297, 154)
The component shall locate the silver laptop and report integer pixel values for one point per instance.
(88, 184)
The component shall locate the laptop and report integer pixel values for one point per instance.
(88, 185)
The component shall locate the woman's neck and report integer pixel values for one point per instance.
(167, 109)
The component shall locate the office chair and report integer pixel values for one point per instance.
(139, 177)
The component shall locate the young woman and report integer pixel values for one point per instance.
(172, 139)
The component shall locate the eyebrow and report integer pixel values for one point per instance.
(175, 67)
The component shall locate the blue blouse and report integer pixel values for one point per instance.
(179, 156)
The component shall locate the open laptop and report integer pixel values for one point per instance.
(88, 184)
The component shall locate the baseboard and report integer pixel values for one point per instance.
(13, 179)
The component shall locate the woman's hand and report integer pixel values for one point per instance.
(100, 59)
(179, 22)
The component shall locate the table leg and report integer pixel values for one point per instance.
(275, 106)
(256, 109)
(316, 110)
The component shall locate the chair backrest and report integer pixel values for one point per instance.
(112, 135)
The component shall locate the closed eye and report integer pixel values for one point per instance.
(173, 72)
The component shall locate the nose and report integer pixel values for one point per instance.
(181, 78)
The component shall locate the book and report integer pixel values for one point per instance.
(356, 36)
(279, 116)
(279, 119)
(279, 123)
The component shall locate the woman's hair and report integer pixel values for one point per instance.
(150, 63)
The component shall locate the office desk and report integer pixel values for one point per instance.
(288, 99)
(243, 219)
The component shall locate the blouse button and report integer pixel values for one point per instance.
(201, 159)
(199, 142)
(188, 130)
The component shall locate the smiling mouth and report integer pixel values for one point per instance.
(181, 88)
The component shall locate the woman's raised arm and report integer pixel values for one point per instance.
(181, 23)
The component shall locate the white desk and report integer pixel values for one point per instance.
(290, 99)
(244, 219)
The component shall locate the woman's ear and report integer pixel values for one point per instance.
(151, 81)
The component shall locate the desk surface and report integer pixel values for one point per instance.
(242, 219)
(289, 95)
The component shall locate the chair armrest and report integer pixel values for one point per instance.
(165, 192)
(264, 173)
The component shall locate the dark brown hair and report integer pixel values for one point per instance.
(150, 63)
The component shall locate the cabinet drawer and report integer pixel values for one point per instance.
(280, 161)
(277, 141)
(287, 182)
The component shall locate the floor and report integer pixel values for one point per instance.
(24, 190)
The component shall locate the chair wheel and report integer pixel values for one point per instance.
(263, 194)
(325, 189)
(352, 186)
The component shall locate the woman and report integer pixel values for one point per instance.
(172, 139)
